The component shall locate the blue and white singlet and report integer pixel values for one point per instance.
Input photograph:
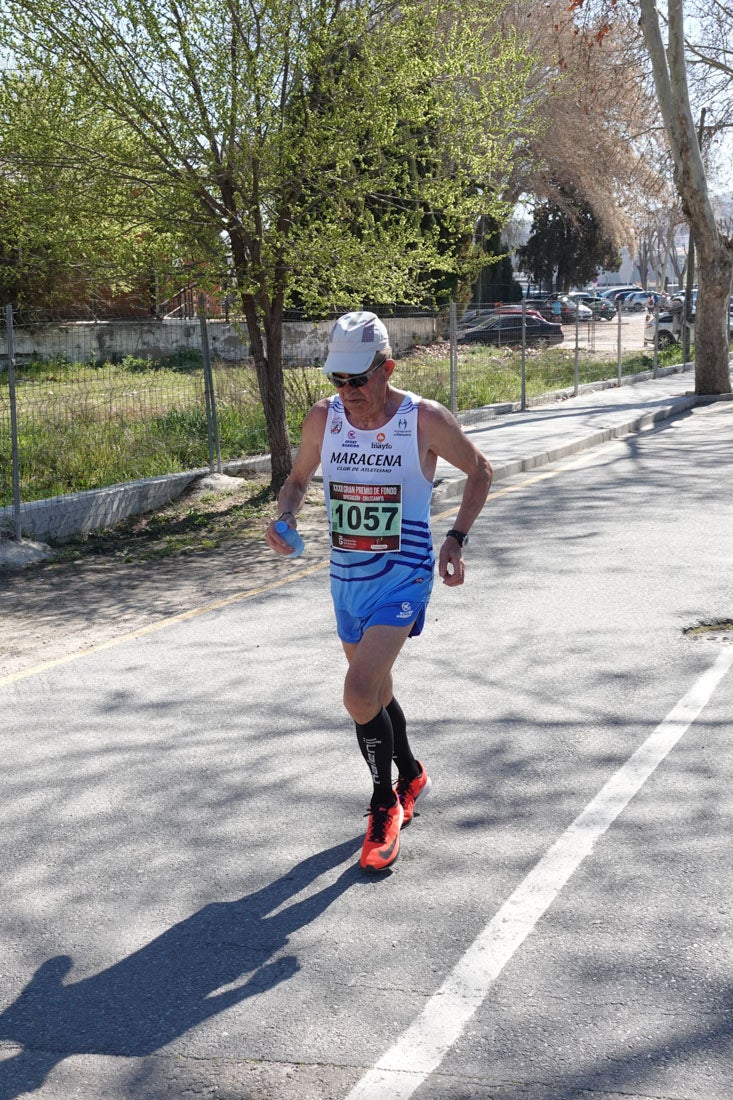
(378, 505)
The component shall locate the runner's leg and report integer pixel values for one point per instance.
(367, 686)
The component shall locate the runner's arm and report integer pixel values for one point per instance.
(306, 462)
(446, 438)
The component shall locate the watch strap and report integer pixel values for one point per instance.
(460, 536)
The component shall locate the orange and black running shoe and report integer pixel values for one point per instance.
(382, 841)
(409, 790)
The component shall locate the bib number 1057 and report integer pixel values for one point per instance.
(366, 518)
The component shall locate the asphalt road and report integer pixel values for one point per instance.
(182, 913)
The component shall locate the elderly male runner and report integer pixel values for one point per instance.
(378, 447)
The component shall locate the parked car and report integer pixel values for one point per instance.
(568, 309)
(644, 299)
(612, 291)
(472, 317)
(506, 328)
(670, 327)
(601, 308)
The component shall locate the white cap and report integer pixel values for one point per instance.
(353, 343)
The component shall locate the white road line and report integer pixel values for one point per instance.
(422, 1046)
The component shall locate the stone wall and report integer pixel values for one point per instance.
(95, 341)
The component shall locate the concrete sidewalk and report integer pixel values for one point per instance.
(518, 441)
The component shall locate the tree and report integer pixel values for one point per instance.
(567, 246)
(496, 281)
(714, 249)
(72, 234)
(595, 135)
(313, 136)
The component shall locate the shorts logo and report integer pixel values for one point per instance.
(406, 612)
(336, 426)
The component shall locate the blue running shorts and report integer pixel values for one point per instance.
(351, 627)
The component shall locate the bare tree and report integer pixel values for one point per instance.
(713, 246)
(596, 136)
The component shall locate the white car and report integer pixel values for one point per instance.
(644, 299)
(669, 329)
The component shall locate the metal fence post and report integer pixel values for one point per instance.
(212, 423)
(619, 353)
(13, 423)
(655, 365)
(577, 340)
(523, 402)
(453, 359)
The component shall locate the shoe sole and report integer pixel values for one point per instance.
(423, 794)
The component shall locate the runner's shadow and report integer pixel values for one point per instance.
(145, 1001)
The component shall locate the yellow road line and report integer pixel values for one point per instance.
(240, 597)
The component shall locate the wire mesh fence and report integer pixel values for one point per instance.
(86, 405)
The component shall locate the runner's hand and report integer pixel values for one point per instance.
(450, 563)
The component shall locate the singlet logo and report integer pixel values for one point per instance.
(336, 425)
(351, 458)
(381, 437)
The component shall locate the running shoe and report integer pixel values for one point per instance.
(382, 841)
(409, 790)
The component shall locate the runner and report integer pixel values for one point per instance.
(378, 448)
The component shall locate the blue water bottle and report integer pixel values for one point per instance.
(291, 536)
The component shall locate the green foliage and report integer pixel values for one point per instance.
(77, 231)
(567, 246)
(342, 151)
(345, 151)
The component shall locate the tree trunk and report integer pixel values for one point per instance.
(268, 366)
(267, 356)
(712, 354)
(715, 250)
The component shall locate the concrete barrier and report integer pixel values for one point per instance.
(97, 341)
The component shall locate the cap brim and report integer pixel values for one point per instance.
(349, 362)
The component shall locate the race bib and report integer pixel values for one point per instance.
(367, 518)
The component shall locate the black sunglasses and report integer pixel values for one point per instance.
(356, 381)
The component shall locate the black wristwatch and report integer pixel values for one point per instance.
(460, 536)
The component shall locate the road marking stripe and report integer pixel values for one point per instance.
(422, 1046)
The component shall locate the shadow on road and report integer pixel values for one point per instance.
(172, 984)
